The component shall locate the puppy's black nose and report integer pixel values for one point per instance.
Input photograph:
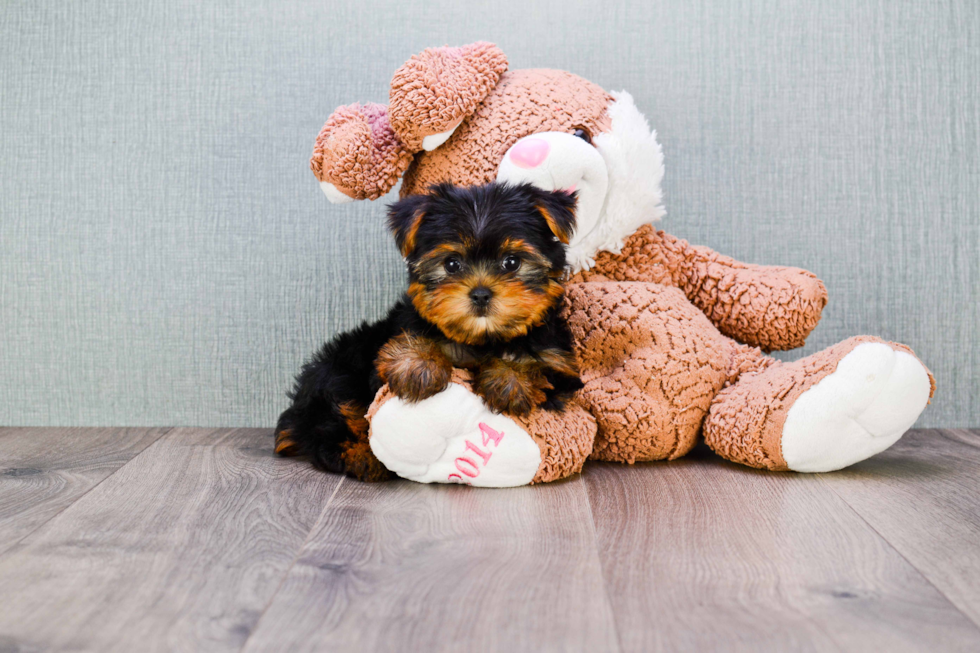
(481, 296)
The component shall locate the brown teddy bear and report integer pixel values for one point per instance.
(670, 336)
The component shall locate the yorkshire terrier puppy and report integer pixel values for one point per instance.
(485, 266)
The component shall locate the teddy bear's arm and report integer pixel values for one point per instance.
(771, 307)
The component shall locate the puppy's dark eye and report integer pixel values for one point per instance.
(453, 265)
(510, 263)
(584, 135)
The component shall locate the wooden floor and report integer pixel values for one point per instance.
(202, 540)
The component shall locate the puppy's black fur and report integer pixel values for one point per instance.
(485, 266)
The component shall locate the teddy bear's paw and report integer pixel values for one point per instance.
(862, 408)
(452, 437)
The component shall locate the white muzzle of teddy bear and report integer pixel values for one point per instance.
(560, 161)
(617, 178)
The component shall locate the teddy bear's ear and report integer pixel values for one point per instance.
(435, 90)
(358, 155)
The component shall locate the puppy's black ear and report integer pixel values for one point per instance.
(558, 209)
(404, 218)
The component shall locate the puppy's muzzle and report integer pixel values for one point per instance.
(480, 297)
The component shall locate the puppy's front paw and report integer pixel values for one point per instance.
(414, 368)
(415, 380)
(513, 388)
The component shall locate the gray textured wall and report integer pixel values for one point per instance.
(167, 257)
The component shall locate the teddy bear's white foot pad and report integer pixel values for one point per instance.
(453, 438)
(859, 410)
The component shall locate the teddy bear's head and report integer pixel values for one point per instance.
(458, 115)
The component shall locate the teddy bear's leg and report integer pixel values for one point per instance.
(651, 363)
(452, 437)
(823, 412)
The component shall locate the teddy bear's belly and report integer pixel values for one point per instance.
(651, 363)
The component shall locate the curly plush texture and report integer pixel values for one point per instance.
(774, 308)
(434, 90)
(523, 102)
(746, 421)
(651, 364)
(565, 440)
(358, 152)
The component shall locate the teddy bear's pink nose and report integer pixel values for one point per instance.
(529, 153)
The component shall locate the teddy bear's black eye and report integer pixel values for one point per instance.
(510, 263)
(453, 265)
(584, 135)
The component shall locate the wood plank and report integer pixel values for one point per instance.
(401, 566)
(182, 548)
(700, 554)
(923, 496)
(45, 470)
